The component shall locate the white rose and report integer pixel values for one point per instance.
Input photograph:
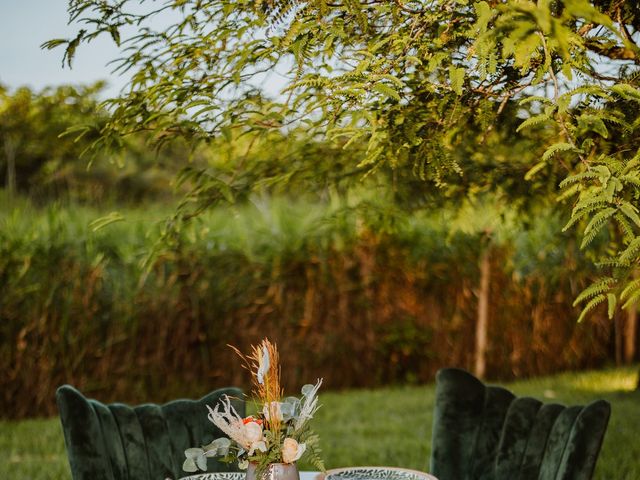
(252, 432)
(276, 409)
(292, 450)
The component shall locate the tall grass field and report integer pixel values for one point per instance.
(387, 426)
(397, 290)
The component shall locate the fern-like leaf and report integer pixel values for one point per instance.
(555, 148)
(632, 287)
(633, 299)
(578, 177)
(536, 98)
(612, 302)
(590, 203)
(632, 179)
(626, 91)
(630, 212)
(534, 170)
(387, 91)
(596, 224)
(625, 226)
(590, 306)
(596, 289)
(630, 253)
(533, 121)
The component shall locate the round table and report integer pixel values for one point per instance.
(349, 473)
(241, 476)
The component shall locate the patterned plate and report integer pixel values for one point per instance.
(351, 473)
(377, 473)
(242, 476)
(217, 476)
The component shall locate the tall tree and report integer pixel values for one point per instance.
(36, 158)
(412, 80)
(40, 156)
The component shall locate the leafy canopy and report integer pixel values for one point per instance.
(409, 84)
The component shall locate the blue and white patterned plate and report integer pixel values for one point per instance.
(350, 473)
(242, 476)
(377, 473)
(217, 476)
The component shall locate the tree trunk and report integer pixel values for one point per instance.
(10, 155)
(617, 334)
(630, 334)
(483, 314)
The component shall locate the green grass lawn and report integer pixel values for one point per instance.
(390, 426)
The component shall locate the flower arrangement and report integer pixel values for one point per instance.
(278, 433)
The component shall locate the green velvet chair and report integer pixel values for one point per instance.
(487, 433)
(147, 442)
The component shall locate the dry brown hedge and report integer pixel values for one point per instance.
(368, 314)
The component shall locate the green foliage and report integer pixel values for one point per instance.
(34, 154)
(322, 272)
(411, 86)
(43, 137)
(605, 183)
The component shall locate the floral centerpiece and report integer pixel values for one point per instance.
(278, 434)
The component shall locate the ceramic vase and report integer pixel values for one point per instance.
(275, 471)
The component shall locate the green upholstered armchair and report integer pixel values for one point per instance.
(487, 433)
(147, 442)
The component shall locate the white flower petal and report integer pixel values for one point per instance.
(264, 365)
(301, 448)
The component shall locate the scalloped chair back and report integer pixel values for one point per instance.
(146, 442)
(487, 433)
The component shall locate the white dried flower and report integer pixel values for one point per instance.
(309, 404)
(264, 365)
(229, 421)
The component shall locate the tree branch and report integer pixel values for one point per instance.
(613, 52)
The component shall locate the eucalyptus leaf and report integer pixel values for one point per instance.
(189, 465)
(288, 411)
(201, 461)
(218, 448)
(307, 389)
(195, 460)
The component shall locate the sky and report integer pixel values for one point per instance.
(25, 25)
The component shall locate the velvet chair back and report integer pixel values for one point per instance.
(146, 442)
(487, 433)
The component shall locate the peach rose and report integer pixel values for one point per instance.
(292, 450)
